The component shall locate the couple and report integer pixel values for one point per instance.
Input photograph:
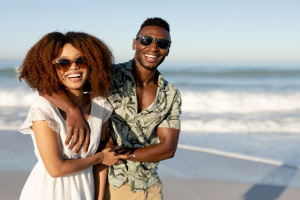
(131, 131)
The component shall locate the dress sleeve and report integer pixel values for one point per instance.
(107, 110)
(173, 117)
(39, 112)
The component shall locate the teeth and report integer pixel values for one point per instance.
(74, 75)
(151, 56)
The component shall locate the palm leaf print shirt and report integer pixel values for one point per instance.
(131, 129)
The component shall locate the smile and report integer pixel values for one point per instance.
(150, 56)
(74, 76)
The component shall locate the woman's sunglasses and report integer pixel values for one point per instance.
(147, 40)
(64, 64)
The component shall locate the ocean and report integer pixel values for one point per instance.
(247, 111)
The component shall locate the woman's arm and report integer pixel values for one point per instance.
(77, 127)
(49, 148)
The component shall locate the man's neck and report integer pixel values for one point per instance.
(144, 77)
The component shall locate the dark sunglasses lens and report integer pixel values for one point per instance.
(146, 40)
(163, 44)
(63, 64)
(81, 62)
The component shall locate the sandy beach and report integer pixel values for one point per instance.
(203, 176)
(192, 175)
(177, 189)
(246, 117)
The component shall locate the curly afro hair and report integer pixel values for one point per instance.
(40, 74)
(156, 21)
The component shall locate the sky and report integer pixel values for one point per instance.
(201, 30)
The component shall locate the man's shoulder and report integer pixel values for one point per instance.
(123, 66)
(169, 87)
(119, 65)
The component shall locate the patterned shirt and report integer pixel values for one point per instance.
(131, 129)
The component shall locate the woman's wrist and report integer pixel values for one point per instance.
(99, 157)
(73, 109)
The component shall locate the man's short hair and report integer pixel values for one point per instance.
(156, 21)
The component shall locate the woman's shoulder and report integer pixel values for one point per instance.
(41, 104)
(102, 101)
(41, 109)
(102, 104)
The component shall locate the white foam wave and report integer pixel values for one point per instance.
(17, 97)
(241, 126)
(202, 111)
(198, 102)
(239, 102)
(240, 112)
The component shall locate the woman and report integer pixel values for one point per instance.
(81, 65)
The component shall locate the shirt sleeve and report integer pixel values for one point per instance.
(172, 119)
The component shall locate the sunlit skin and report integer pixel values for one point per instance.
(75, 78)
(47, 141)
(147, 59)
(144, 70)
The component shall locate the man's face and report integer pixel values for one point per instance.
(151, 56)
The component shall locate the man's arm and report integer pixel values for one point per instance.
(164, 150)
(168, 134)
(77, 127)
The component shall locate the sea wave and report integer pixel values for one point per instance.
(197, 102)
(240, 73)
(202, 111)
(232, 125)
(201, 102)
(240, 112)
(222, 102)
(9, 73)
(209, 72)
(17, 97)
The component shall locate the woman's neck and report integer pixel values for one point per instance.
(82, 100)
(78, 97)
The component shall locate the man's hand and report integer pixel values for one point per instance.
(77, 129)
(110, 157)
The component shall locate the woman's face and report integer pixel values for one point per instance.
(72, 68)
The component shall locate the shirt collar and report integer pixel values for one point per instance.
(162, 84)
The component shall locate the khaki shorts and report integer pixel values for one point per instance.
(152, 193)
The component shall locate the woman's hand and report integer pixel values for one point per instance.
(109, 157)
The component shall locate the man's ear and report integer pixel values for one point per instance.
(168, 51)
(134, 44)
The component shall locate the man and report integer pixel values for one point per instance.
(146, 117)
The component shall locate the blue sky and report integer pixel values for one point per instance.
(210, 30)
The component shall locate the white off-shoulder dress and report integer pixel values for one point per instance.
(77, 186)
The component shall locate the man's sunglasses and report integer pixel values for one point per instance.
(64, 64)
(147, 40)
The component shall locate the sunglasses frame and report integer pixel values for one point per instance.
(54, 62)
(154, 40)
